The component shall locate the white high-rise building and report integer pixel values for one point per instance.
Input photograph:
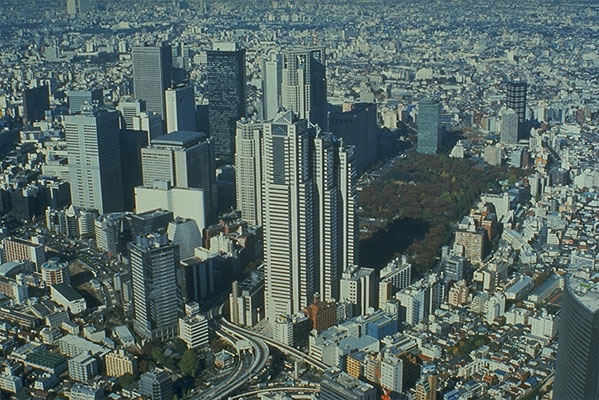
(180, 109)
(288, 215)
(509, 126)
(149, 122)
(248, 170)
(308, 190)
(193, 330)
(186, 234)
(359, 287)
(130, 109)
(94, 160)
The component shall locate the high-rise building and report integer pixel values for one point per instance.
(78, 98)
(150, 123)
(130, 143)
(304, 84)
(36, 101)
(153, 263)
(429, 126)
(15, 249)
(248, 170)
(309, 202)
(95, 160)
(118, 363)
(79, 7)
(392, 372)
(196, 278)
(516, 100)
(55, 272)
(577, 364)
(180, 109)
(186, 160)
(509, 126)
(185, 233)
(156, 385)
(426, 388)
(83, 367)
(246, 301)
(356, 125)
(359, 286)
(322, 314)
(130, 109)
(193, 330)
(152, 74)
(272, 70)
(112, 232)
(226, 94)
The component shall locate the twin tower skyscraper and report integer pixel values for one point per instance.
(299, 182)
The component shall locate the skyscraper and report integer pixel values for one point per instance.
(429, 126)
(272, 69)
(509, 126)
(153, 264)
(577, 364)
(304, 178)
(94, 160)
(131, 142)
(186, 160)
(248, 170)
(304, 84)
(180, 109)
(226, 96)
(516, 100)
(152, 74)
(36, 101)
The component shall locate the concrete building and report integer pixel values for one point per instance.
(338, 385)
(83, 367)
(153, 268)
(392, 372)
(193, 330)
(112, 232)
(156, 385)
(55, 272)
(196, 278)
(185, 233)
(149, 122)
(68, 297)
(118, 363)
(395, 276)
(84, 392)
(272, 76)
(15, 249)
(247, 300)
(359, 286)
(180, 109)
(509, 126)
(130, 109)
(78, 98)
(95, 160)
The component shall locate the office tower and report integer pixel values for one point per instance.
(226, 96)
(288, 216)
(246, 300)
(186, 160)
(130, 143)
(150, 123)
(359, 286)
(272, 76)
(356, 125)
(392, 372)
(196, 278)
(83, 367)
(155, 220)
(577, 364)
(509, 126)
(181, 202)
(321, 314)
(304, 84)
(516, 100)
(248, 170)
(180, 109)
(152, 74)
(112, 233)
(309, 204)
(185, 233)
(338, 385)
(156, 385)
(15, 249)
(95, 160)
(429, 126)
(78, 98)
(36, 101)
(130, 109)
(153, 269)
(396, 276)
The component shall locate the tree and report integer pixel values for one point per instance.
(190, 364)
(126, 380)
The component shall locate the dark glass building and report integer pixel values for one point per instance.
(516, 100)
(131, 143)
(36, 101)
(226, 96)
(577, 365)
(429, 126)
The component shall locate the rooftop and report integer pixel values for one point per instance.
(179, 138)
